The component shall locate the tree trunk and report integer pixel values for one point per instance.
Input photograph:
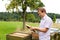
(24, 6)
(24, 13)
(24, 20)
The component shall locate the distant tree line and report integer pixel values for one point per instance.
(30, 16)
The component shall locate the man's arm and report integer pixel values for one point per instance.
(40, 29)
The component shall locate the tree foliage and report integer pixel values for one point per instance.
(54, 18)
(30, 17)
(33, 4)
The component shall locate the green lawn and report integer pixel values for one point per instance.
(10, 27)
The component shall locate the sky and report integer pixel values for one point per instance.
(3, 5)
(50, 6)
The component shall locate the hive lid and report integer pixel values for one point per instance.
(19, 34)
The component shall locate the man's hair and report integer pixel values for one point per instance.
(41, 9)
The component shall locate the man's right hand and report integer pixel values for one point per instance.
(31, 28)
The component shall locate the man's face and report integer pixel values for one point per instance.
(40, 13)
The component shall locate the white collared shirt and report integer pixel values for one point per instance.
(46, 22)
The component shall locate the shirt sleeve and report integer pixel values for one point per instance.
(48, 23)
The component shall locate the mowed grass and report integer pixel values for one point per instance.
(10, 27)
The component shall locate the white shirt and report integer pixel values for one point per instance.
(46, 22)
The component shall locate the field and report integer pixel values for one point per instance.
(10, 27)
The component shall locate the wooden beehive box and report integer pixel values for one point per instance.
(19, 36)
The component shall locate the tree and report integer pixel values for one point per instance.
(54, 18)
(33, 4)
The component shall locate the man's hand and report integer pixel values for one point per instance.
(31, 28)
(28, 26)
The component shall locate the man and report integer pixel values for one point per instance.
(45, 25)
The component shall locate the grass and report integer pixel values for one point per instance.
(10, 27)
